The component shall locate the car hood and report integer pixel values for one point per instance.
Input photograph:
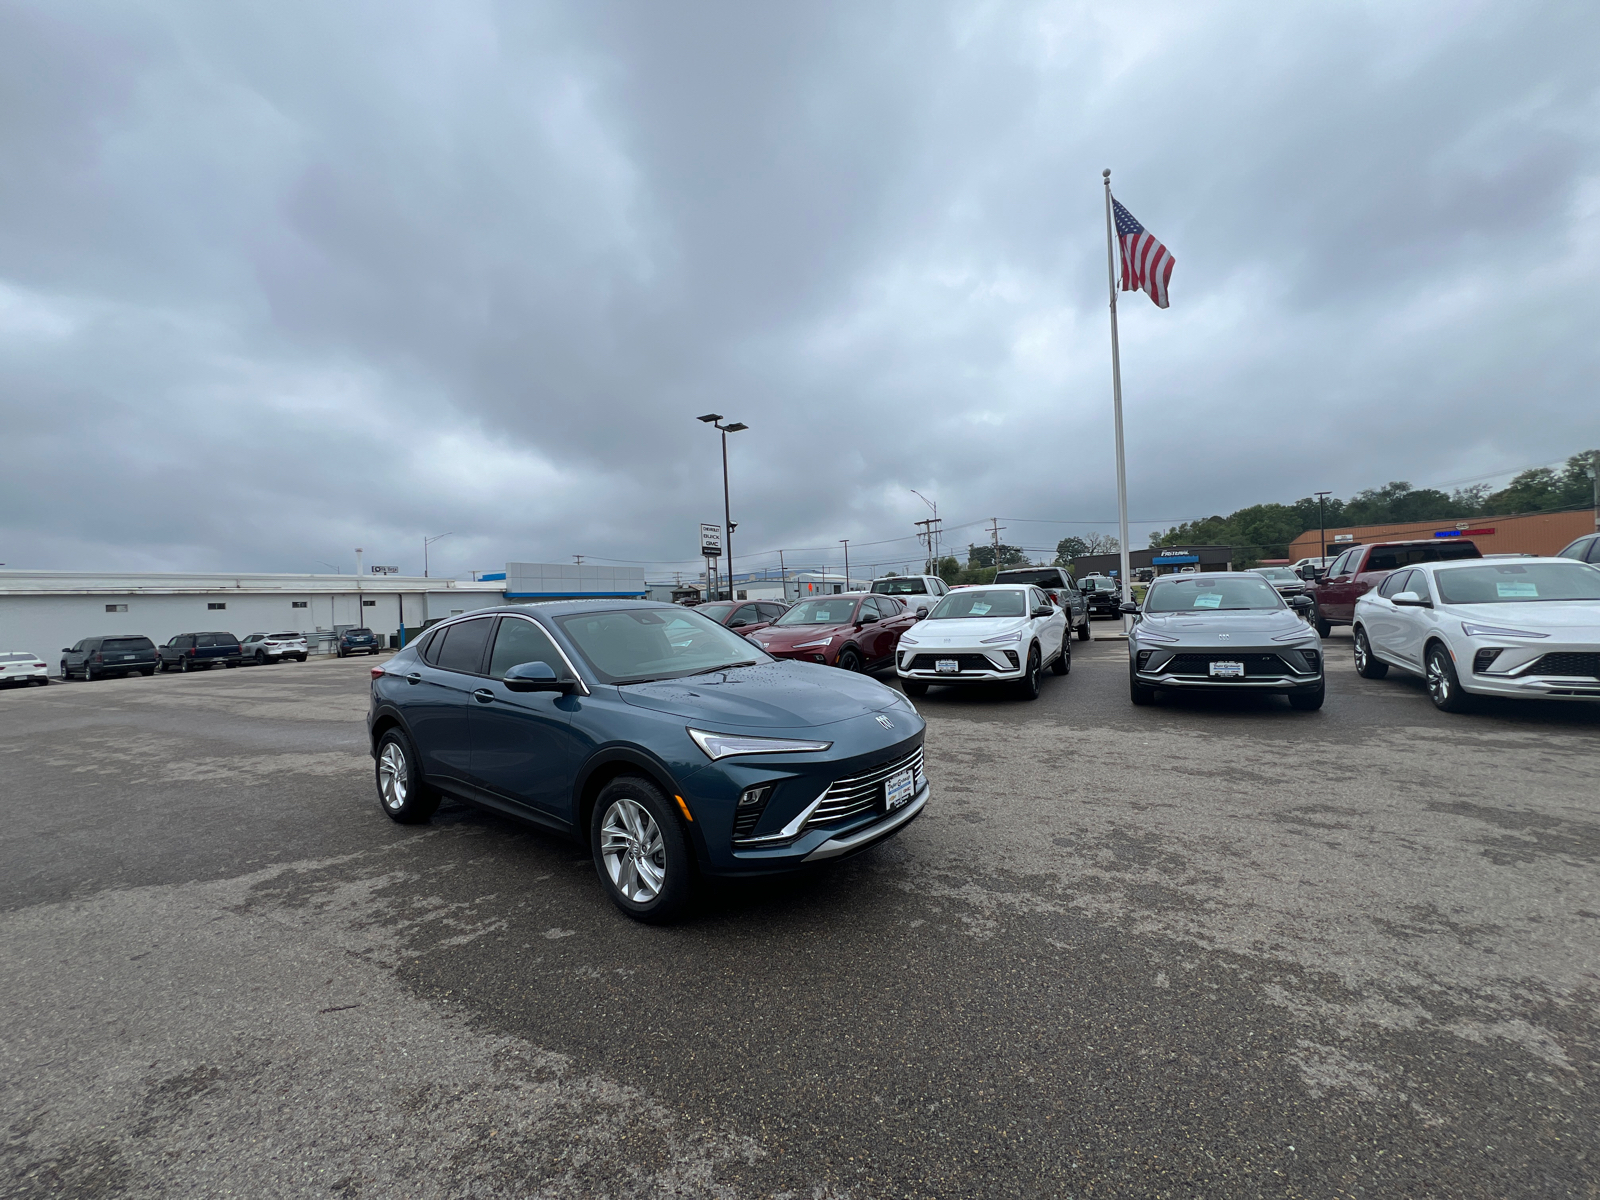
(1557, 616)
(1221, 628)
(962, 631)
(783, 637)
(780, 695)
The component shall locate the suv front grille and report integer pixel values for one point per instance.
(969, 662)
(856, 794)
(1200, 664)
(1567, 664)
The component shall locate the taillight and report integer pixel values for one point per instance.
(191, 651)
(377, 671)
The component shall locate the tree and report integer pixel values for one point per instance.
(983, 556)
(1542, 489)
(949, 568)
(1069, 548)
(1101, 543)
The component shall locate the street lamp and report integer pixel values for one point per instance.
(846, 542)
(715, 421)
(426, 542)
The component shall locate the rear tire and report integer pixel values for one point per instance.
(1084, 632)
(261, 659)
(640, 852)
(1063, 662)
(1367, 664)
(1028, 685)
(1309, 701)
(914, 687)
(147, 671)
(402, 792)
(1137, 692)
(88, 673)
(1444, 685)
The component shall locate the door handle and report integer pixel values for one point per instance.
(413, 678)
(483, 696)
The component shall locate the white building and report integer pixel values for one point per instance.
(42, 611)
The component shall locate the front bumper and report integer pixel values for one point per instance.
(1272, 668)
(979, 664)
(1521, 671)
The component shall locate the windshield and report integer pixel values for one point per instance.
(900, 587)
(1510, 584)
(637, 645)
(1045, 575)
(1199, 594)
(975, 602)
(1099, 585)
(715, 611)
(836, 610)
(1281, 574)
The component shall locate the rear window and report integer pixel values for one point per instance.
(900, 587)
(358, 633)
(1392, 558)
(1045, 575)
(18, 657)
(215, 639)
(128, 643)
(284, 637)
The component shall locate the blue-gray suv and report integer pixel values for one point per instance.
(670, 745)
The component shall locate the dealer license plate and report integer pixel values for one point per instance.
(947, 666)
(1227, 670)
(901, 787)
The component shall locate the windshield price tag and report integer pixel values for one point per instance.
(900, 788)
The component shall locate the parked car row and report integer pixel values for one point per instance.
(130, 654)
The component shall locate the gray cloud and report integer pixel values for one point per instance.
(276, 282)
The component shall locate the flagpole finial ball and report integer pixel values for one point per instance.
(1106, 172)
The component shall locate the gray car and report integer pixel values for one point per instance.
(1223, 632)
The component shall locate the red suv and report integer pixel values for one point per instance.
(1361, 568)
(855, 631)
(744, 616)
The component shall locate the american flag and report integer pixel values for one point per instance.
(1146, 263)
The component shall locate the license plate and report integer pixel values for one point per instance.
(947, 666)
(901, 787)
(1227, 670)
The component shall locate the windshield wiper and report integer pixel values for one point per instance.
(688, 674)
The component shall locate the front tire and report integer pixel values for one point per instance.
(1444, 685)
(849, 660)
(402, 792)
(1323, 628)
(88, 673)
(914, 687)
(640, 852)
(1084, 632)
(1137, 692)
(1309, 701)
(1028, 685)
(1367, 664)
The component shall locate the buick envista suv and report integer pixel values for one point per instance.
(670, 745)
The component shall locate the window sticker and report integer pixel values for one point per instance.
(1208, 600)
(1517, 589)
(980, 608)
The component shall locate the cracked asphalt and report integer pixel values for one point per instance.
(1209, 948)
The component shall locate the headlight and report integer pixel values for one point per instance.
(1471, 629)
(726, 745)
(907, 641)
(1298, 635)
(1150, 635)
(811, 645)
(1003, 638)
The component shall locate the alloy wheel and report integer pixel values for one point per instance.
(1361, 652)
(631, 848)
(1438, 679)
(394, 779)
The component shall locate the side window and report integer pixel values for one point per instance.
(1594, 550)
(891, 606)
(1580, 549)
(1395, 583)
(745, 614)
(869, 608)
(770, 612)
(521, 641)
(430, 647)
(463, 646)
(1417, 582)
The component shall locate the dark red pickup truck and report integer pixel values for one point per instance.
(1361, 568)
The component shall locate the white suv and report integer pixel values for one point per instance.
(919, 593)
(261, 648)
(1005, 632)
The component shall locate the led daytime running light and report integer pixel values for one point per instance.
(1473, 629)
(728, 745)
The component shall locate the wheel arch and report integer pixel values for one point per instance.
(601, 770)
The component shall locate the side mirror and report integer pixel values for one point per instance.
(1129, 607)
(534, 677)
(66, 649)
(1409, 600)
(1303, 603)
(737, 624)
(1044, 610)
(866, 619)
(920, 615)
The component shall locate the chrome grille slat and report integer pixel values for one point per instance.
(856, 794)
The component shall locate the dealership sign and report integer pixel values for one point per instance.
(386, 570)
(711, 541)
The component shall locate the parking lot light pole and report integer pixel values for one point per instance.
(1322, 524)
(846, 542)
(715, 421)
(426, 542)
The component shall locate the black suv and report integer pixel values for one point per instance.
(97, 657)
(1103, 595)
(194, 651)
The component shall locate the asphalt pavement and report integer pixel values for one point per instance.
(1207, 948)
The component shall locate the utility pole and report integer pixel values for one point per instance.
(846, 542)
(994, 536)
(930, 530)
(1322, 524)
(1594, 470)
(578, 558)
(783, 574)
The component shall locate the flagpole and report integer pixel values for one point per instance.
(1116, 402)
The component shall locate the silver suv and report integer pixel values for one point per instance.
(263, 648)
(919, 593)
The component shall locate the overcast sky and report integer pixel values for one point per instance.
(280, 280)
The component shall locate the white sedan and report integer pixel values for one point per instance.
(20, 667)
(1523, 627)
(997, 634)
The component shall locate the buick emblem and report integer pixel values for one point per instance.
(1223, 635)
(885, 722)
